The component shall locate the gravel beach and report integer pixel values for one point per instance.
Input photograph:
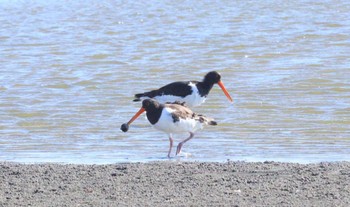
(175, 183)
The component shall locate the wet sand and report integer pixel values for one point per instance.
(174, 183)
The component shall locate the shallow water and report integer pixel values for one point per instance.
(69, 70)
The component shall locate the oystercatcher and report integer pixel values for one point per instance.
(193, 93)
(171, 118)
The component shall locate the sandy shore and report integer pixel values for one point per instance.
(173, 183)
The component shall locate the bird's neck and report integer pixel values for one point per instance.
(204, 88)
(153, 114)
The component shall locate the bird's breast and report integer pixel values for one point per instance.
(194, 99)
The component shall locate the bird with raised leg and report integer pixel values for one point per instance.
(171, 118)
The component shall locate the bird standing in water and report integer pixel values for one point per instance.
(171, 118)
(193, 93)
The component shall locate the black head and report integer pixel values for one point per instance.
(153, 110)
(149, 104)
(212, 77)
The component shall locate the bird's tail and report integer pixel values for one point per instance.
(207, 120)
(138, 96)
(213, 123)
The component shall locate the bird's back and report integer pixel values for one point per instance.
(177, 118)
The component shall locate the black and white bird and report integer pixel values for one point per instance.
(193, 93)
(171, 118)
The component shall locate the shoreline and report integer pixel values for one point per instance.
(175, 183)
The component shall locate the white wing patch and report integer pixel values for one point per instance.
(194, 99)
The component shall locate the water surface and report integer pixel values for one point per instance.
(69, 70)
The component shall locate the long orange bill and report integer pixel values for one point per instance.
(221, 84)
(136, 115)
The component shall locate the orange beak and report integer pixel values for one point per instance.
(136, 115)
(224, 90)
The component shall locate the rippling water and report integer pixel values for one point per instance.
(69, 69)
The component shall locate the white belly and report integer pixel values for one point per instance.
(194, 99)
(167, 124)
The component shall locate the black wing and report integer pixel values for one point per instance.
(180, 88)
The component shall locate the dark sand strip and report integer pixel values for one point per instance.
(173, 183)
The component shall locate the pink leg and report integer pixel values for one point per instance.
(178, 150)
(171, 145)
